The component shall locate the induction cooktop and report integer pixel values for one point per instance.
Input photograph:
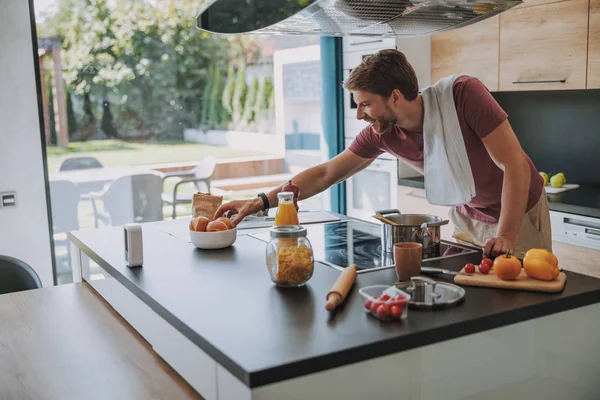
(343, 243)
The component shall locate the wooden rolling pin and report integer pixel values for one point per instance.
(340, 288)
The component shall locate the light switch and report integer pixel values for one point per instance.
(8, 199)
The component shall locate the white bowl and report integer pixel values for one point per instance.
(213, 240)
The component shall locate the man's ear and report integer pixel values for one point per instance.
(396, 96)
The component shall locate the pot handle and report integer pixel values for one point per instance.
(383, 213)
(444, 222)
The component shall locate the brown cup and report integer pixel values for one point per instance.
(408, 256)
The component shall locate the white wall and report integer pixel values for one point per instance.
(24, 230)
(418, 53)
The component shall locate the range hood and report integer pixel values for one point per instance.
(374, 18)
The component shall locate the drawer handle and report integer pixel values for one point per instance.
(594, 232)
(367, 42)
(585, 224)
(548, 81)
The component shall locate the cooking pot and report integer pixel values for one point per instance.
(420, 228)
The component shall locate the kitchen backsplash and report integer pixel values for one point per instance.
(559, 130)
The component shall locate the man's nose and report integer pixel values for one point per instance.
(360, 114)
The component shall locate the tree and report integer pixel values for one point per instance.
(214, 114)
(72, 121)
(148, 56)
(248, 116)
(227, 97)
(269, 94)
(239, 93)
(207, 100)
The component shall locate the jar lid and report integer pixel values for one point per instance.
(288, 231)
(285, 195)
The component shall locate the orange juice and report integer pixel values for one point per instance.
(286, 211)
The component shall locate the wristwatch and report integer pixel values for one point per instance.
(265, 200)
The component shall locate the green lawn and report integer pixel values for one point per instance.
(117, 153)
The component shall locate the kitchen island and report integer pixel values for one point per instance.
(218, 320)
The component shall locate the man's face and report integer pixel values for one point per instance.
(376, 110)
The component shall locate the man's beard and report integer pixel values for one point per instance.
(383, 124)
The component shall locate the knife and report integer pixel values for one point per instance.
(437, 271)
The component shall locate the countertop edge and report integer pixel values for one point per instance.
(434, 336)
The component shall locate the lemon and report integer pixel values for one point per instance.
(557, 181)
(563, 175)
(545, 176)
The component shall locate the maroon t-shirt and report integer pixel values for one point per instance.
(478, 115)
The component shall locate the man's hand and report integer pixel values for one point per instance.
(241, 207)
(497, 246)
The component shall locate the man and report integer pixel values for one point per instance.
(509, 209)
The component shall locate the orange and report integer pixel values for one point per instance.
(507, 267)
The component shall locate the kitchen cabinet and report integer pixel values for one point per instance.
(593, 80)
(471, 50)
(531, 3)
(544, 47)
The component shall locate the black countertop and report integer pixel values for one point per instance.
(584, 200)
(224, 302)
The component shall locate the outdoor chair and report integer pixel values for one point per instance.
(16, 275)
(78, 163)
(200, 176)
(128, 199)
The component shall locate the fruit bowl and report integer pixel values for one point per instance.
(213, 240)
(386, 303)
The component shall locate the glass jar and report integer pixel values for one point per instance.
(290, 259)
(286, 210)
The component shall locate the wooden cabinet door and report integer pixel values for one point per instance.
(593, 78)
(543, 45)
(471, 50)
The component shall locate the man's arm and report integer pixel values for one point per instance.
(504, 148)
(316, 179)
(311, 181)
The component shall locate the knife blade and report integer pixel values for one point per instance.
(438, 271)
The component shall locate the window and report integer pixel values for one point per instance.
(133, 92)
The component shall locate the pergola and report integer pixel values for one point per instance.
(51, 47)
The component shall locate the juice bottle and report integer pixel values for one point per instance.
(286, 211)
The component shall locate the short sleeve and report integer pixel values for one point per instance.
(478, 107)
(367, 144)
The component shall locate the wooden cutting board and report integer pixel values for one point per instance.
(523, 282)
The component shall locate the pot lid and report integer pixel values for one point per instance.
(428, 293)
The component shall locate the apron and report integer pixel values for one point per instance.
(535, 229)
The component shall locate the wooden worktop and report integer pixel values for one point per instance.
(64, 342)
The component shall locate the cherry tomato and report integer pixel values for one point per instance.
(383, 311)
(469, 268)
(368, 304)
(484, 269)
(374, 306)
(398, 301)
(384, 297)
(487, 261)
(396, 312)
